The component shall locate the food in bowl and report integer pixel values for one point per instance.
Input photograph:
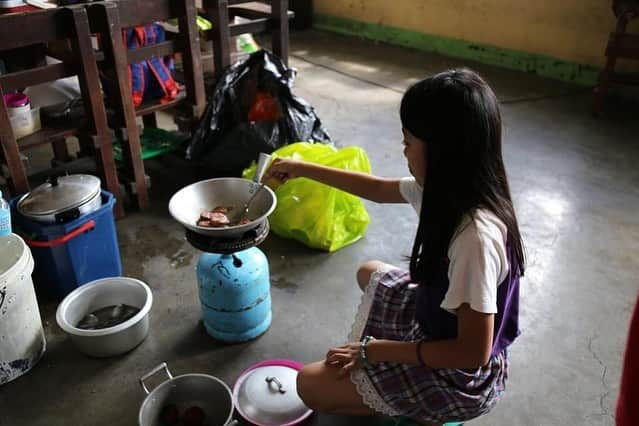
(218, 218)
(170, 415)
(192, 416)
(106, 317)
(92, 296)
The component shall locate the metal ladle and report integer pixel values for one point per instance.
(263, 162)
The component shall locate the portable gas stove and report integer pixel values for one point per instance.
(234, 284)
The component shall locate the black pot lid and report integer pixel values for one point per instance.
(266, 394)
(59, 195)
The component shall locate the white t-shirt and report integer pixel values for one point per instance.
(477, 254)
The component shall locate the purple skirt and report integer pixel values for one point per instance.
(439, 395)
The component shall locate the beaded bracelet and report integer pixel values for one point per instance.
(362, 350)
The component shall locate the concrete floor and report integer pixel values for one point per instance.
(575, 183)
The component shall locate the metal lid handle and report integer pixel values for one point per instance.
(53, 179)
(280, 388)
(152, 372)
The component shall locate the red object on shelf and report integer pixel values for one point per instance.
(25, 8)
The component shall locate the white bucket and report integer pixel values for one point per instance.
(22, 340)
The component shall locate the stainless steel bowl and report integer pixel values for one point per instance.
(186, 205)
(97, 294)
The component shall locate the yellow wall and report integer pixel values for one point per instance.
(570, 30)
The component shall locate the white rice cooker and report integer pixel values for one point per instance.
(62, 199)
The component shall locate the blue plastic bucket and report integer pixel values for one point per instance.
(70, 254)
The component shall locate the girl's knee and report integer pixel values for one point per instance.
(366, 270)
(303, 382)
(308, 387)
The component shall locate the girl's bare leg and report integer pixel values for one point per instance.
(366, 270)
(321, 389)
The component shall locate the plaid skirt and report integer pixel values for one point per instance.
(439, 395)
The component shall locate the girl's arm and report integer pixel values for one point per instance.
(374, 188)
(471, 349)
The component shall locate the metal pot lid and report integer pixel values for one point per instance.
(60, 194)
(266, 394)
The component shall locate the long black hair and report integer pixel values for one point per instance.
(456, 114)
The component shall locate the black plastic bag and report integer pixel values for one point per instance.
(225, 142)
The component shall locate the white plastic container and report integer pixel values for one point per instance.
(22, 341)
(26, 122)
(98, 294)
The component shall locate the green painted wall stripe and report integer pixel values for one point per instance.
(522, 61)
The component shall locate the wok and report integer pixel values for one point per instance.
(186, 205)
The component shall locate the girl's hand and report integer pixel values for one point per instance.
(345, 357)
(282, 170)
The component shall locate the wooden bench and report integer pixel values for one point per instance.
(262, 17)
(22, 30)
(109, 19)
(621, 45)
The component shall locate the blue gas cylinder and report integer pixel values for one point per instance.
(235, 293)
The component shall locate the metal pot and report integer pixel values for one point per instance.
(186, 205)
(209, 393)
(266, 394)
(62, 199)
(100, 293)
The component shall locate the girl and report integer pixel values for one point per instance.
(430, 343)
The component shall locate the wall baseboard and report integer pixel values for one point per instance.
(542, 65)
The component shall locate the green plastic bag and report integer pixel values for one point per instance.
(315, 214)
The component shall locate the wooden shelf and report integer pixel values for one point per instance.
(254, 26)
(148, 108)
(259, 15)
(45, 136)
(253, 9)
(625, 78)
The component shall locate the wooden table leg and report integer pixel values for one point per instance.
(192, 62)
(106, 17)
(60, 151)
(219, 13)
(604, 76)
(11, 151)
(90, 84)
(280, 30)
